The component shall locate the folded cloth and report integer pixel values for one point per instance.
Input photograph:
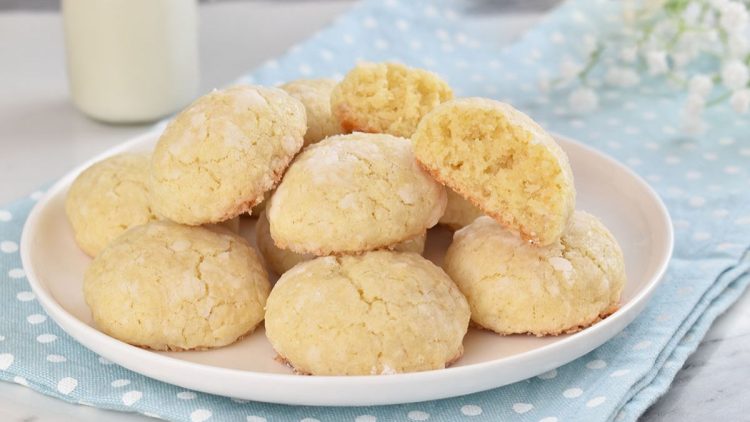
(704, 181)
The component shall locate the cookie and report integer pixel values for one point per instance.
(281, 260)
(165, 286)
(260, 206)
(386, 98)
(217, 158)
(108, 198)
(378, 313)
(513, 287)
(501, 161)
(459, 212)
(277, 260)
(315, 95)
(353, 193)
(415, 245)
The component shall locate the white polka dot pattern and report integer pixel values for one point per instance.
(129, 398)
(471, 410)
(703, 180)
(66, 385)
(418, 415)
(572, 393)
(8, 246)
(120, 383)
(6, 359)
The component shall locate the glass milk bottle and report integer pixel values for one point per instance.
(131, 60)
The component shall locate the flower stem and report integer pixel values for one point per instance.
(721, 98)
(593, 60)
(680, 30)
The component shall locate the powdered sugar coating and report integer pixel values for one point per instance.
(108, 198)
(352, 193)
(167, 286)
(377, 313)
(282, 260)
(513, 287)
(315, 95)
(217, 158)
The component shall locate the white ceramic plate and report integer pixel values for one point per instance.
(628, 206)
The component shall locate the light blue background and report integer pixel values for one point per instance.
(704, 181)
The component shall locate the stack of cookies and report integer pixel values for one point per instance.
(534, 264)
(345, 179)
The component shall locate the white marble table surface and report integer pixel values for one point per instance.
(42, 136)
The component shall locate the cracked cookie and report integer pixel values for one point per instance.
(513, 287)
(315, 95)
(165, 286)
(459, 212)
(353, 193)
(281, 260)
(503, 162)
(217, 158)
(108, 198)
(386, 98)
(381, 312)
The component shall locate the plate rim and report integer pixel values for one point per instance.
(124, 354)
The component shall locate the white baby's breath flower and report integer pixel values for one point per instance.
(589, 44)
(629, 54)
(740, 101)
(718, 4)
(681, 58)
(692, 121)
(629, 11)
(595, 83)
(649, 8)
(583, 100)
(734, 17)
(621, 77)
(612, 77)
(629, 77)
(712, 36)
(690, 43)
(569, 69)
(664, 27)
(694, 105)
(692, 13)
(734, 75)
(657, 62)
(739, 45)
(630, 32)
(694, 125)
(677, 79)
(710, 42)
(700, 85)
(709, 20)
(715, 33)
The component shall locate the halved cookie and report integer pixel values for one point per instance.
(503, 162)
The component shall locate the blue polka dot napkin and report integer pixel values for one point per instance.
(704, 181)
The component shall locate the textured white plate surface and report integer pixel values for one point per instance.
(247, 369)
